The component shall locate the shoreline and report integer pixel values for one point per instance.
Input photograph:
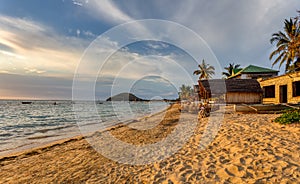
(247, 149)
(25, 149)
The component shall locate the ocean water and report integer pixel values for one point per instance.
(24, 126)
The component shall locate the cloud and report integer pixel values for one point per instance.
(22, 24)
(157, 45)
(11, 54)
(33, 70)
(159, 72)
(15, 86)
(32, 87)
(156, 79)
(89, 34)
(154, 86)
(51, 54)
(107, 10)
(237, 31)
(77, 3)
(29, 44)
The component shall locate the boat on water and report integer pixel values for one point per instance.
(26, 102)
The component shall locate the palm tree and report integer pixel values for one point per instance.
(185, 92)
(205, 71)
(296, 65)
(287, 45)
(230, 69)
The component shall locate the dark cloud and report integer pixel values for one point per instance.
(35, 87)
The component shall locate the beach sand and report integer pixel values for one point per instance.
(248, 148)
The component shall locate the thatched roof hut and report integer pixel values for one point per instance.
(234, 90)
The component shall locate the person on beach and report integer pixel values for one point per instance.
(204, 110)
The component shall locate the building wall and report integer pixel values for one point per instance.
(257, 75)
(282, 80)
(243, 97)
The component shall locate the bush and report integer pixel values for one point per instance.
(289, 117)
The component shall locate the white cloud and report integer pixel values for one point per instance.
(107, 10)
(78, 32)
(158, 45)
(29, 44)
(33, 70)
(11, 54)
(22, 24)
(89, 34)
(77, 3)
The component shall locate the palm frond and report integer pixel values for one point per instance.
(287, 44)
(278, 59)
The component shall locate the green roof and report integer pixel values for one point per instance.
(257, 69)
(253, 69)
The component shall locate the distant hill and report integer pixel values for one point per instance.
(125, 97)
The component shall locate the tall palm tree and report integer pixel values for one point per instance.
(296, 65)
(230, 69)
(205, 71)
(287, 44)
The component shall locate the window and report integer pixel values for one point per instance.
(269, 91)
(296, 88)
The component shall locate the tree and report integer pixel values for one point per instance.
(287, 45)
(296, 65)
(230, 69)
(205, 71)
(185, 92)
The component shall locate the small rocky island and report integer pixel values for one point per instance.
(125, 97)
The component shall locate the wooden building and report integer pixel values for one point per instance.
(281, 89)
(233, 91)
(253, 72)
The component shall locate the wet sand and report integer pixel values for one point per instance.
(248, 148)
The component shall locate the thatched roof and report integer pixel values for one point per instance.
(221, 86)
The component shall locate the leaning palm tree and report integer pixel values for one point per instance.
(230, 69)
(205, 71)
(287, 45)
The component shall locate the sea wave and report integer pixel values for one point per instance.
(40, 121)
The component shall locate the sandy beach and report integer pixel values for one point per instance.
(249, 148)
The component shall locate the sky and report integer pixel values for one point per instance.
(61, 49)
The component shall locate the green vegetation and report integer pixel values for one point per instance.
(186, 92)
(205, 71)
(287, 45)
(289, 117)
